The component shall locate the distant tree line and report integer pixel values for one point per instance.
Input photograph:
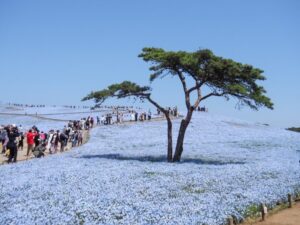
(296, 129)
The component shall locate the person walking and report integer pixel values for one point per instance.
(12, 145)
(63, 138)
(30, 141)
(87, 123)
(49, 141)
(74, 139)
(56, 141)
(21, 142)
(149, 115)
(92, 122)
(102, 120)
(80, 137)
(42, 137)
(3, 138)
(37, 139)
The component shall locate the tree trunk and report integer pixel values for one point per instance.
(179, 145)
(170, 141)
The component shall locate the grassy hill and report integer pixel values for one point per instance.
(121, 176)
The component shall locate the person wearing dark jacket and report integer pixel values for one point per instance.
(11, 145)
(63, 138)
(37, 139)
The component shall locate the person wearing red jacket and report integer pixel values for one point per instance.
(30, 141)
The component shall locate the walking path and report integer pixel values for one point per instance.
(284, 217)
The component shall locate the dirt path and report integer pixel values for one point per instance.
(284, 217)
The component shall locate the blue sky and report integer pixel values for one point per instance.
(55, 52)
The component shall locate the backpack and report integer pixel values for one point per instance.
(36, 138)
(63, 137)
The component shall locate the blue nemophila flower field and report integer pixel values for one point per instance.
(121, 176)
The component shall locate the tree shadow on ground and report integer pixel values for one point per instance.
(160, 158)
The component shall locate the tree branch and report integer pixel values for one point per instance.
(159, 107)
(182, 79)
(196, 104)
(197, 86)
(212, 94)
(223, 94)
(186, 93)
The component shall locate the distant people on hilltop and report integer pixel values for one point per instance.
(202, 109)
(171, 111)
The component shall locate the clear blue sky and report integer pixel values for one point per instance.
(55, 52)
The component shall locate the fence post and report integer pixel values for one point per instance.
(230, 220)
(264, 212)
(290, 199)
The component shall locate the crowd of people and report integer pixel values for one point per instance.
(119, 116)
(202, 109)
(171, 111)
(12, 137)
